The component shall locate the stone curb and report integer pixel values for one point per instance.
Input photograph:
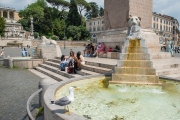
(53, 112)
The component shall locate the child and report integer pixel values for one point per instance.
(63, 63)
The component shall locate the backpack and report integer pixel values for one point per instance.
(70, 67)
(62, 66)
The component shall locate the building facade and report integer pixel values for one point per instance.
(165, 26)
(13, 29)
(95, 26)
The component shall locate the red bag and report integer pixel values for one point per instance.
(69, 70)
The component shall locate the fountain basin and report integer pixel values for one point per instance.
(121, 101)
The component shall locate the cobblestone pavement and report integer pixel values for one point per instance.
(16, 86)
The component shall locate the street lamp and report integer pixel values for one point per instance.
(64, 40)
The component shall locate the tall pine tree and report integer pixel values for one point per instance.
(73, 17)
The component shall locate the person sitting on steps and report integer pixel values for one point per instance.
(101, 49)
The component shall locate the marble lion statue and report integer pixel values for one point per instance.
(46, 41)
(134, 29)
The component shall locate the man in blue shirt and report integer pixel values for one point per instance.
(23, 53)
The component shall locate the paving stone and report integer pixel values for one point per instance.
(15, 89)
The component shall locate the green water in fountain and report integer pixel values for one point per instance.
(126, 102)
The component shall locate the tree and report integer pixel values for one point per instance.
(60, 4)
(73, 17)
(42, 3)
(2, 26)
(83, 5)
(101, 12)
(73, 31)
(35, 11)
(93, 13)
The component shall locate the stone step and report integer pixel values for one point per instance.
(136, 83)
(58, 71)
(96, 69)
(57, 65)
(51, 74)
(86, 72)
(134, 56)
(135, 70)
(135, 78)
(54, 60)
(174, 76)
(135, 63)
(135, 50)
(168, 71)
(99, 64)
(167, 66)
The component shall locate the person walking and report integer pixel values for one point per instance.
(2, 52)
(169, 46)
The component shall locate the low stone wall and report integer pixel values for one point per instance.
(34, 43)
(22, 63)
(25, 42)
(61, 43)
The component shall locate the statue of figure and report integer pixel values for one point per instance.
(46, 41)
(169, 46)
(134, 29)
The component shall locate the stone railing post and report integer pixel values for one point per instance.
(45, 83)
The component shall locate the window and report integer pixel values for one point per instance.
(161, 20)
(102, 22)
(98, 28)
(164, 28)
(94, 23)
(90, 29)
(102, 28)
(157, 19)
(154, 25)
(154, 18)
(98, 22)
(94, 29)
(160, 27)
(90, 23)
(164, 21)
(157, 26)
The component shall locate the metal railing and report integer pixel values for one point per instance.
(28, 103)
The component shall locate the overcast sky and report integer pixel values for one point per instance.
(168, 7)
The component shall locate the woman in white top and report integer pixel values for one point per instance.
(80, 58)
(2, 52)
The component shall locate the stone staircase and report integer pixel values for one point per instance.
(140, 68)
(51, 69)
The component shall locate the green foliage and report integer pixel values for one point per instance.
(73, 17)
(93, 13)
(35, 11)
(25, 23)
(15, 67)
(54, 37)
(77, 33)
(40, 111)
(36, 34)
(59, 28)
(2, 26)
(72, 31)
(82, 6)
(84, 33)
(101, 12)
(42, 3)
